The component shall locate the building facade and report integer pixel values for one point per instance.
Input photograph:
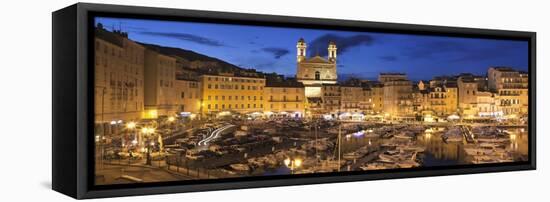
(188, 96)
(119, 74)
(230, 93)
(160, 93)
(398, 95)
(511, 86)
(316, 71)
(285, 99)
(331, 99)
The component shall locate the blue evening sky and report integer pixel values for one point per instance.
(362, 54)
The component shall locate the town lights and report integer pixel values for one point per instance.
(171, 119)
(131, 125)
(148, 131)
(292, 164)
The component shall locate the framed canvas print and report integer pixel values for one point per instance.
(153, 100)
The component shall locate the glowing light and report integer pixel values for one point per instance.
(287, 162)
(297, 162)
(131, 125)
(171, 119)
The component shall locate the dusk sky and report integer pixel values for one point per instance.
(362, 54)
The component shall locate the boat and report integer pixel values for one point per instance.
(240, 167)
(405, 135)
(414, 148)
(376, 166)
(407, 164)
(453, 135)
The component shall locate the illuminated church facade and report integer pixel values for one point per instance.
(315, 71)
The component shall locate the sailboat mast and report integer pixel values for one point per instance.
(339, 145)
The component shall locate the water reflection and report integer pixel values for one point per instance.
(439, 152)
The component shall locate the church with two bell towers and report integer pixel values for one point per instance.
(315, 71)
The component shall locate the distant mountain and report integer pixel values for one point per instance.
(197, 61)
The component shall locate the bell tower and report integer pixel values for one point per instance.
(301, 50)
(332, 52)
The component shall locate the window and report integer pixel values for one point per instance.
(208, 106)
(182, 94)
(317, 75)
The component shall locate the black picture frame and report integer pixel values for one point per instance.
(72, 100)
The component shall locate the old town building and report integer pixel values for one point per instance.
(119, 71)
(188, 96)
(315, 71)
(229, 93)
(331, 96)
(160, 94)
(398, 99)
(284, 98)
(511, 86)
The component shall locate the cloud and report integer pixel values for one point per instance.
(186, 37)
(319, 45)
(276, 52)
(388, 58)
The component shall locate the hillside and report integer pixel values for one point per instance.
(197, 61)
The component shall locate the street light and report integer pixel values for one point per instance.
(293, 164)
(131, 125)
(171, 119)
(148, 131)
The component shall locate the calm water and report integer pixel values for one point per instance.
(438, 152)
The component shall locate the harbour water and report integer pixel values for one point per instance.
(439, 152)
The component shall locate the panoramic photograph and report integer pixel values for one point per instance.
(178, 101)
